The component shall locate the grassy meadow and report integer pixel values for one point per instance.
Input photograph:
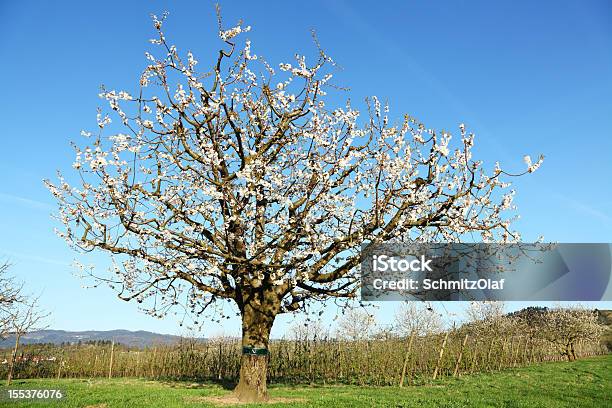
(582, 383)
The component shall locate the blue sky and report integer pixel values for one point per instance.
(526, 77)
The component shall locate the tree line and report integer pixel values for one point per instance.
(416, 350)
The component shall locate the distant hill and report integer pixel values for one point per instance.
(129, 338)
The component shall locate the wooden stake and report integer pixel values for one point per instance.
(153, 362)
(406, 358)
(112, 354)
(474, 356)
(435, 374)
(59, 368)
(502, 355)
(465, 339)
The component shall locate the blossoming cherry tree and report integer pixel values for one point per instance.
(241, 184)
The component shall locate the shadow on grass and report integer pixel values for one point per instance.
(226, 383)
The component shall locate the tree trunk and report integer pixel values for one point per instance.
(567, 352)
(256, 326)
(9, 376)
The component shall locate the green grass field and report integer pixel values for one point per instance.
(584, 383)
